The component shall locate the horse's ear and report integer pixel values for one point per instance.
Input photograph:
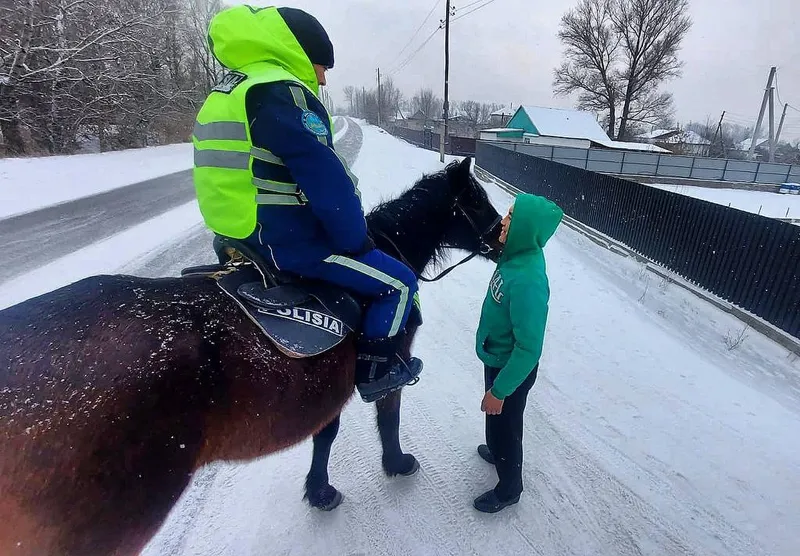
(466, 165)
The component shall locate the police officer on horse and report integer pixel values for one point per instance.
(266, 173)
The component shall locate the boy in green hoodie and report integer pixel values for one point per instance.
(510, 339)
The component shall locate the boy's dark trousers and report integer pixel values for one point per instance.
(504, 435)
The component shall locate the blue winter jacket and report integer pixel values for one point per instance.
(333, 220)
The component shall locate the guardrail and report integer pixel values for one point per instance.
(458, 146)
(664, 165)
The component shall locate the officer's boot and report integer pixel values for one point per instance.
(380, 370)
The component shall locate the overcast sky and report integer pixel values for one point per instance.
(506, 52)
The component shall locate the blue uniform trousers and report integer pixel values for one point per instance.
(389, 285)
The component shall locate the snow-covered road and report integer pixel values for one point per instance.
(645, 434)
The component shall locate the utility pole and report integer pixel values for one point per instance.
(780, 125)
(379, 97)
(446, 105)
(761, 112)
(772, 124)
(718, 132)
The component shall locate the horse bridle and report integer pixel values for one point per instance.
(483, 249)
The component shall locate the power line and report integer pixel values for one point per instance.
(404, 64)
(472, 11)
(414, 36)
(777, 91)
(413, 55)
(470, 5)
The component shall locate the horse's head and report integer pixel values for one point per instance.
(446, 209)
(475, 223)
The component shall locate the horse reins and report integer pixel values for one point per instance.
(483, 249)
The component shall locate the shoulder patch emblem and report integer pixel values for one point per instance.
(314, 124)
(229, 82)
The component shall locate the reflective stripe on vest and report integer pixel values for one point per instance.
(279, 188)
(211, 158)
(279, 200)
(279, 193)
(266, 156)
(221, 131)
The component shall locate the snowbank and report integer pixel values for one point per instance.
(28, 184)
(774, 205)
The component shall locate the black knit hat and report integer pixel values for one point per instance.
(310, 34)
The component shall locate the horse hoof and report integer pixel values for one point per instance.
(337, 499)
(409, 467)
(326, 499)
(413, 470)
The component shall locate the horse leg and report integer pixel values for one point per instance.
(395, 462)
(319, 493)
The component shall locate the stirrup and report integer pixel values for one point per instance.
(380, 394)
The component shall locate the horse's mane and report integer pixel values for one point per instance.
(428, 202)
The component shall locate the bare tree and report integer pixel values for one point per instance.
(426, 102)
(478, 114)
(350, 96)
(204, 67)
(327, 101)
(618, 53)
(390, 101)
(591, 53)
(127, 73)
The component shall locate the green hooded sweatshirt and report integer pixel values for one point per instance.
(511, 331)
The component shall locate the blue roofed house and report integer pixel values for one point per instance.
(557, 127)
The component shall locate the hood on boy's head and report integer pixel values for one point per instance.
(533, 223)
(286, 37)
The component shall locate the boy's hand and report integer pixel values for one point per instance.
(491, 405)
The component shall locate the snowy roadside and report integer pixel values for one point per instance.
(773, 205)
(28, 184)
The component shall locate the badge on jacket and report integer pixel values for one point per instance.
(496, 287)
(314, 124)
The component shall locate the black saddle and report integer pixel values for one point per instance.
(303, 318)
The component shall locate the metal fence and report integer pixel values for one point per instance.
(664, 165)
(746, 259)
(459, 146)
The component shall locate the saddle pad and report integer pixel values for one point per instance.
(305, 330)
(273, 298)
(203, 270)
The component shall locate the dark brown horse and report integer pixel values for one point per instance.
(114, 390)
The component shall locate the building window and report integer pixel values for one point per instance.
(528, 140)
